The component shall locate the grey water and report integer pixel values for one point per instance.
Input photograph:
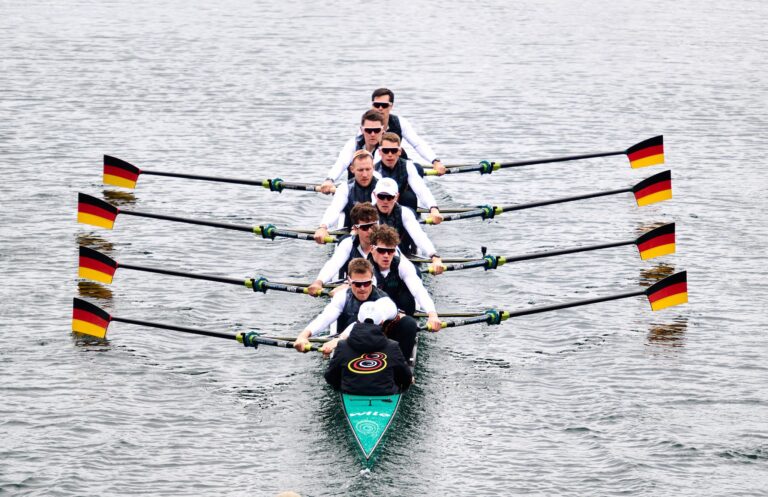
(608, 399)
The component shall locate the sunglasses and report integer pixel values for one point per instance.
(360, 284)
(387, 150)
(366, 226)
(385, 250)
(381, 105)
(372, 131)
(384, 196)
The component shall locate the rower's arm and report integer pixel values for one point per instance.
(334, 210)
(414, 140)
(419, 186)
(330, 314)
(333, 265)
(342, 161)
(408, 274)
(418, 235)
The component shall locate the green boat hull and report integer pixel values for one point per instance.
(369, 418)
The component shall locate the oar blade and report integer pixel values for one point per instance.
(96, 266)
(118, 172)
(657, 242)
(648, 152)
(96, 212)
(657, 188)
(89, 319)
(671, 291)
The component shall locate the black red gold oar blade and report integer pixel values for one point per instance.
(96, 266)
(89, 319)
(657, 188)
(120, 173)
(648, 152)
(91, 210)
(657, 242)
(671, 291)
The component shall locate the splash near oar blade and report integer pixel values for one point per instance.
(657, 188)
(649, 152)
(657, 242)
(95, 212)
(96, 266)
(671, 291)
(117, 172)
(89, 319)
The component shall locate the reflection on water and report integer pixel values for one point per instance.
(651, 275)
(669, 334)
(95, 242)
(644, 228)
(94, 290)
(119, 198)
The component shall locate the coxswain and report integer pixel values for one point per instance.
(385, 371)
(372, 126)
(344, 306)
(397, 276)
(357, 244)
(359, 189)
(413, 239)
(383, 100)
(411, 185)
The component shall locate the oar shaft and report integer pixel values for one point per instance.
(560, 159)
(220, 279)
(578, 303)
(518, 207)
(552, 253)
(214, 224)
(182, 329)
(205, 178)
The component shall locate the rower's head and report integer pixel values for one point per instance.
(382, 100)
(385, 195)
(360, 278)
(390, 149)
(377, 312)
(384, 242)
(373, 124)
(364, 217)
(362, 167)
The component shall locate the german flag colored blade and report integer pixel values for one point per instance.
(671, 291)
(657, 242)
(96, 266)
(120, 173)
(654, 189)
(649, 152)
(93, 211)
(89, 319)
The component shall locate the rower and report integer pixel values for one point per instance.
(348, 194)
(397, 276)
(371, 128)
(369, 363)
(343, 308)
(412, 236)
(383, 100)
(411, 185)
(357, 244)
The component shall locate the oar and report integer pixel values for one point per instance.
(91, 210)
(99, 267)
(92, 320)
(118, 172)
(655, 243)
(651, 190)
(671, 291)
(648, 152)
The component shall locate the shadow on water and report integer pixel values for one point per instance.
(95, 242)
(669, 334)
(94, 290)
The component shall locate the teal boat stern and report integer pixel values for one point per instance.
(369, 418)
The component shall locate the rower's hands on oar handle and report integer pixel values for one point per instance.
(327, 187)
(302, 341)
(321, 234)
(329, 346)
(315, 288)
(437, 266)
(438, 166)
(434, 216)
(433, 322)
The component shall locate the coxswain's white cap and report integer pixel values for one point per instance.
(369, 312)
(386, 185)
(387, 309)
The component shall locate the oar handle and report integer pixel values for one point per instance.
(251, 339)
(261, 284)
(278, 185)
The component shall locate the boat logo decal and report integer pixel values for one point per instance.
(370, 363)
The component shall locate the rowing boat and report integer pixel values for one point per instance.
(370, 416)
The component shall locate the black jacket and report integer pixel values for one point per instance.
(368, 363)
